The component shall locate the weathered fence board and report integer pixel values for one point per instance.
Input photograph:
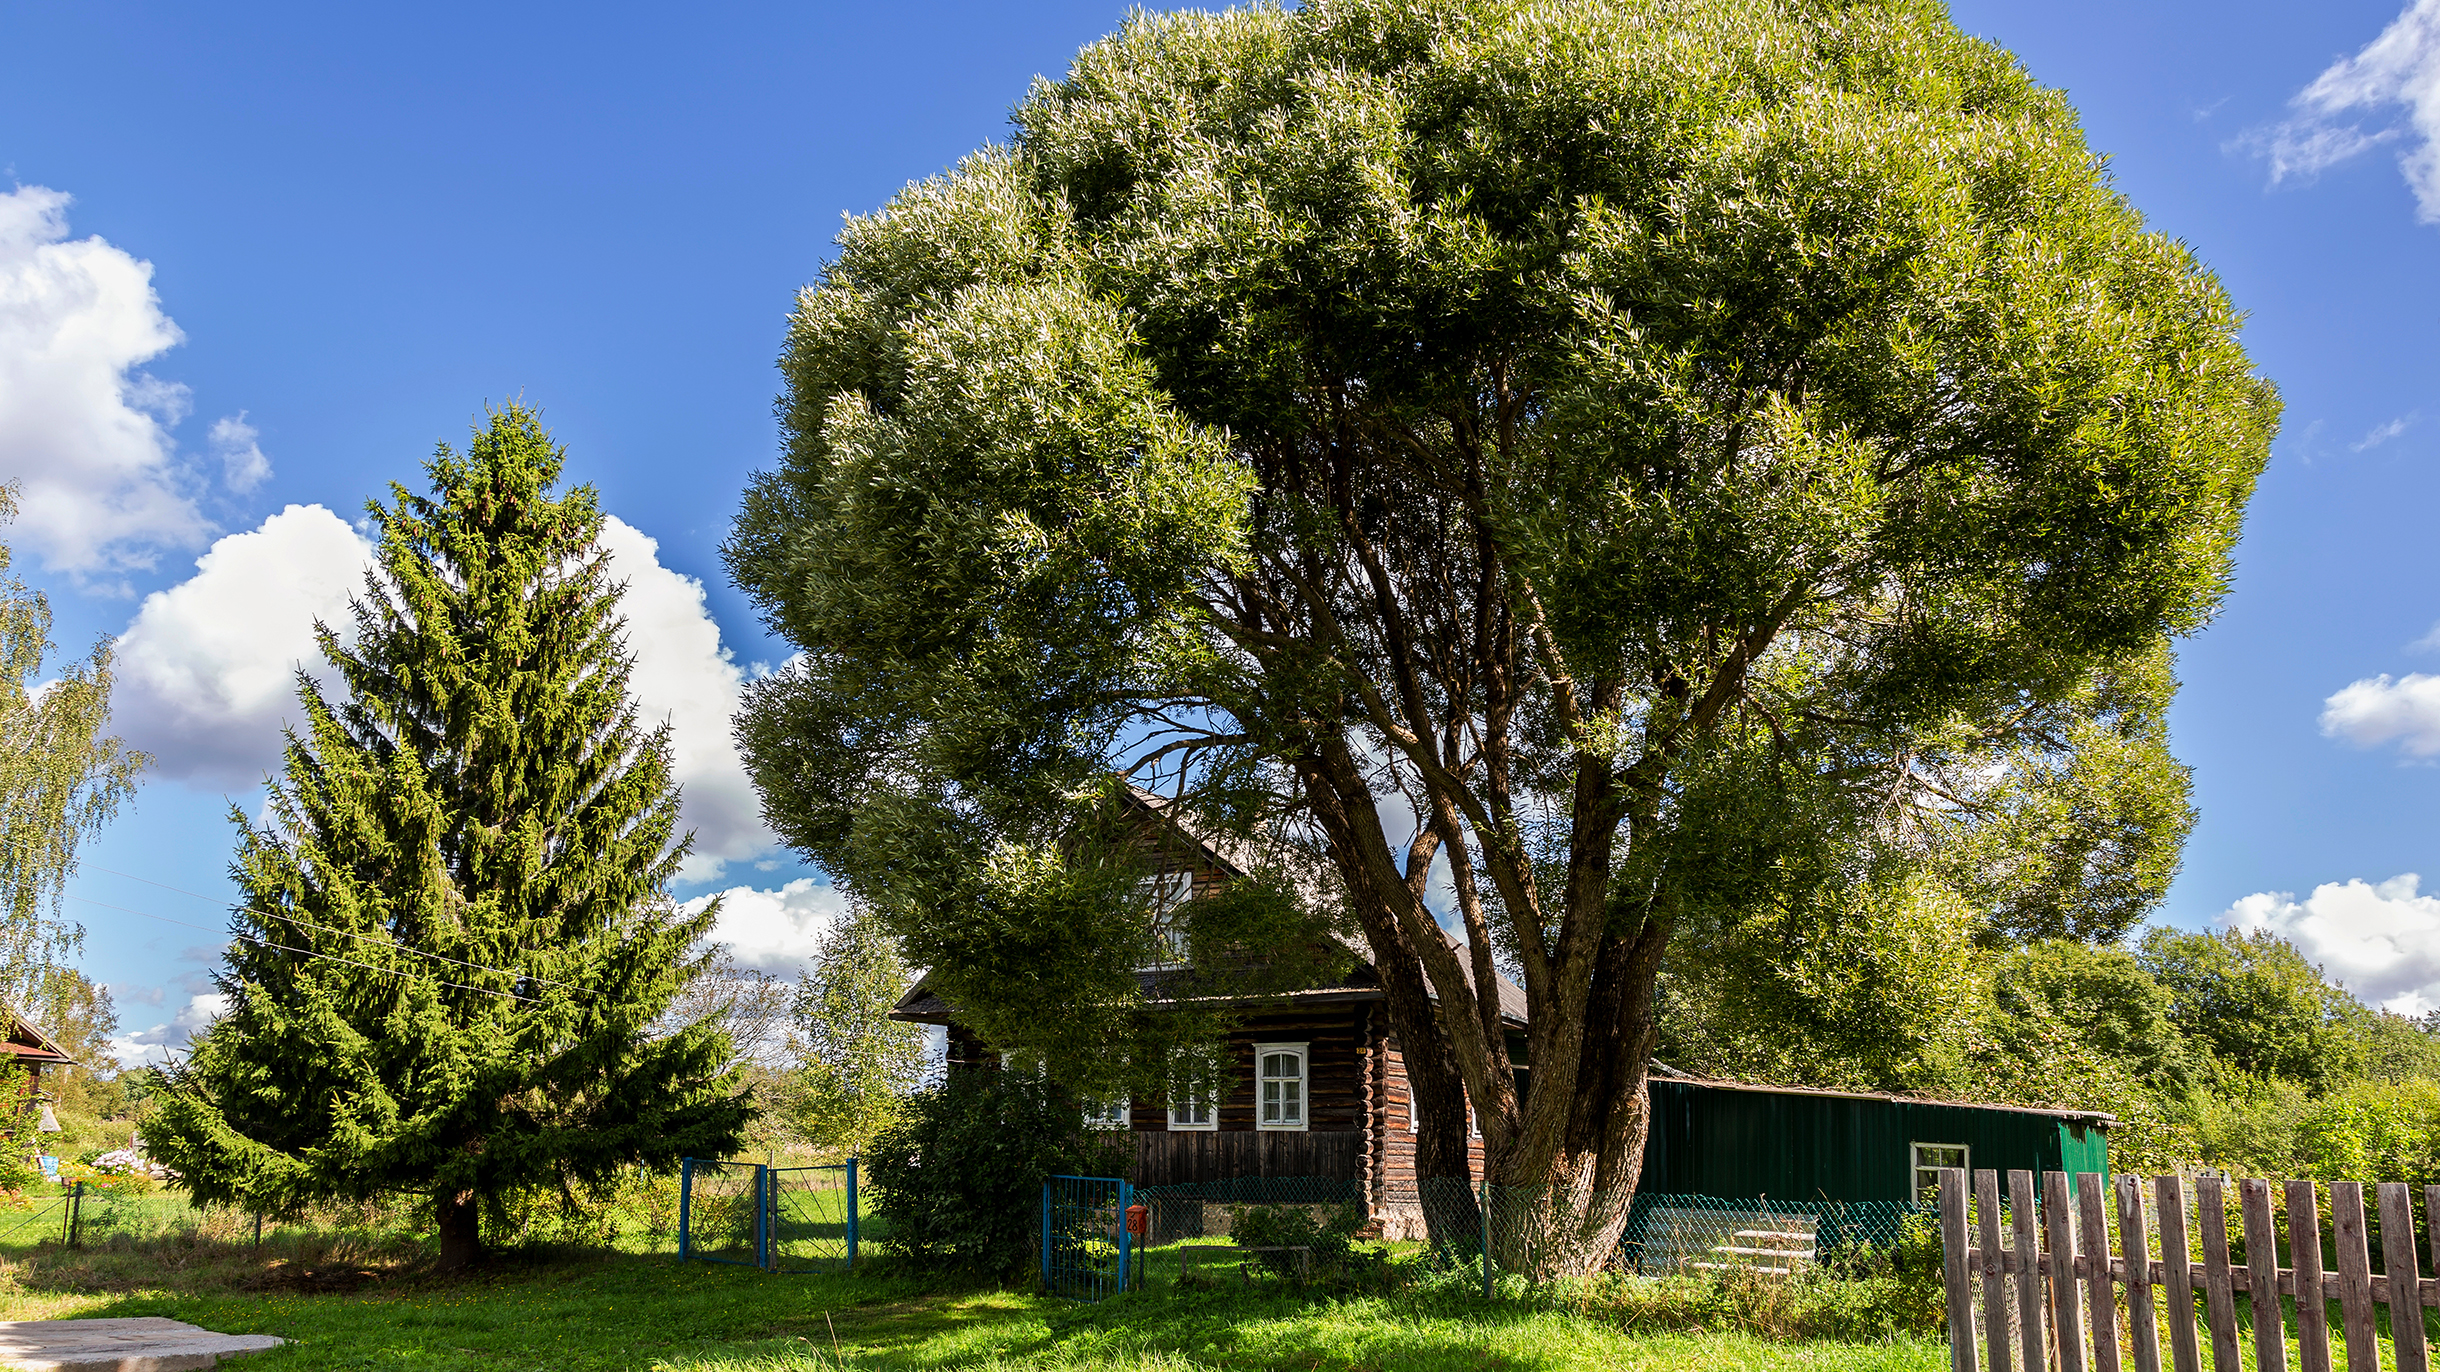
(2028, 1259)
(2219, 1291)
(2135, 1245)
(2405, 1283)
(2354, 1276)
(2262, 1266)
(2052, 1236)
(2178, 1297)
(2304, 1255)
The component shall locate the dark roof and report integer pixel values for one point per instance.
(28, 1042)
(1677, 1078)
(1235, 857)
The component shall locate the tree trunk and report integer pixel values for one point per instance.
(1567, 1219)
(461, 1231)
(1444, 1173)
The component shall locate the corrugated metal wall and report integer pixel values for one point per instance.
(1717, 1141)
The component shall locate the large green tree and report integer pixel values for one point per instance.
(1660, 458)
(456, 934)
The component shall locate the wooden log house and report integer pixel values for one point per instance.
(1318, 1088)
(1317, 1083)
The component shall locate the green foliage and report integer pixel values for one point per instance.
(1877, 986)
(2257, 1005)
(1328, 1232)
(958, 1177)
(858, 1065)
(61, 779)
(2372, 1131)
(1690, 455)
(456, 935)
(2103, 993)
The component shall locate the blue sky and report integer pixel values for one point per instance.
(362, 227)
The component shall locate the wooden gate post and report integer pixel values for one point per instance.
(1953, 1246)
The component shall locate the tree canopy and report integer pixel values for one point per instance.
(62, 777)
(1670, 461)
(457, 933)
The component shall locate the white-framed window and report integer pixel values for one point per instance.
(1192, 1110)
(1927, 1160)
(1111, 1114)
(1170, 893)
(1279, 1085)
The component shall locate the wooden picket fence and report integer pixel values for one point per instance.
(2061, 1313)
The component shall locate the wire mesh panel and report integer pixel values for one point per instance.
(812, 1224)
(721, 1212)
(1200, 1210)
(1670, 1234)
(1085, 1244)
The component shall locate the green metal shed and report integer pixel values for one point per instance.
(1734, 1139)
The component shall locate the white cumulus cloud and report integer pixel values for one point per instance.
(207, 671)
(774, 930)
(2382, 941)
(2389, 91)
(2379, 710)
(685, 676)
(83, 432)
(157, 1045)
(242, 464)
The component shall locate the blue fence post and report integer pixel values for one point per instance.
(1046, 1236)
(762, 1216)
(686, 1203)
(1126, 1236)
(851, 1212)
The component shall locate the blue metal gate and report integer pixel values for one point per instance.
(780, 1219)
(810, 1223)
(1085, 1244)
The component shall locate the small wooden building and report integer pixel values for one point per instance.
(32, 1048)
(1318, 1089)
(1737, 1139)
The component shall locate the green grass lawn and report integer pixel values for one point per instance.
(649, 1312)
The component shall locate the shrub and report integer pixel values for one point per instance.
(958, 1177)
(1328, 1231)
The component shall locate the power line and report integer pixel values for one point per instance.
(324, 928)
(323, 955)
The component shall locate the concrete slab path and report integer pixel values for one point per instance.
(150, 1344)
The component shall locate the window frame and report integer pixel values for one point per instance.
(1190, 1099)
(1173, 891)
(1916, 1167)
(1303, 1053)
(1113, 1116)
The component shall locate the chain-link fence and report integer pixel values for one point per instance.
(1537, 1232)
(1200, 1210)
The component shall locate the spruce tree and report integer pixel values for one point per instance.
(457, 933)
